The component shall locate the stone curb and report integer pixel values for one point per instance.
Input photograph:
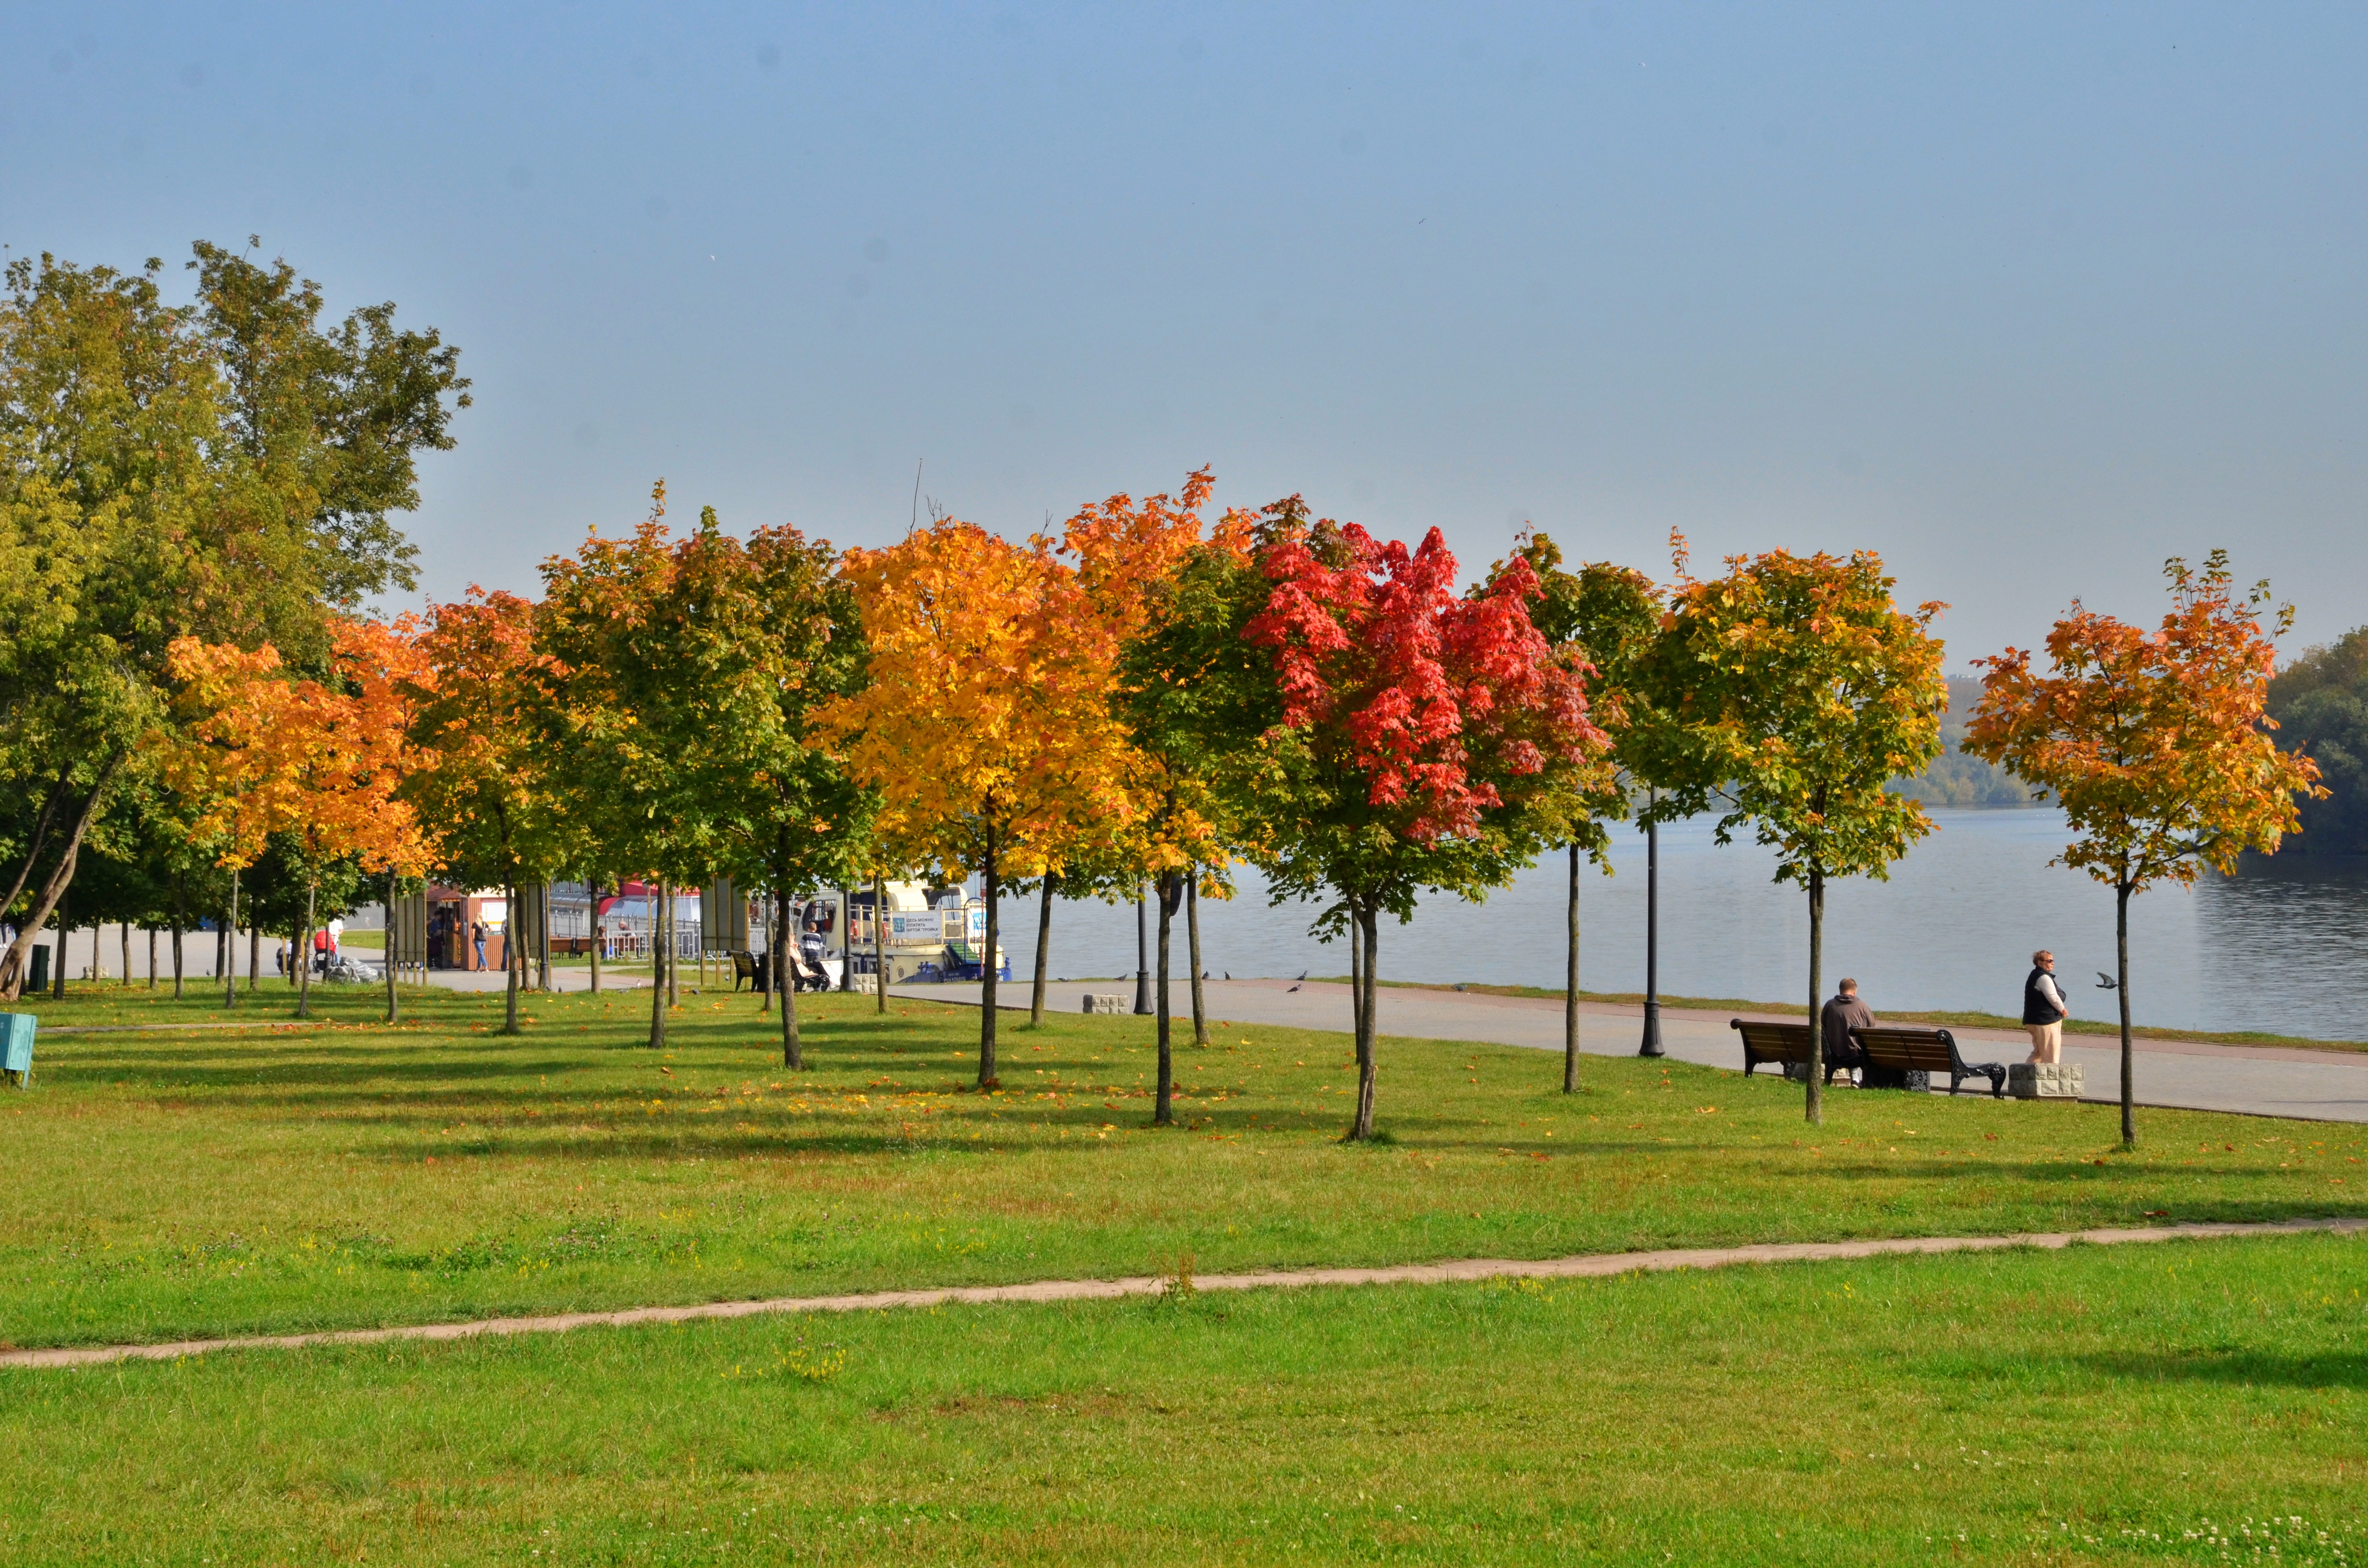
(1590, 1265)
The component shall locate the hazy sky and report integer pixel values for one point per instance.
(2025, 298)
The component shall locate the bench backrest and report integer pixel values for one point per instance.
(1924, 1050)
(1774, 1042)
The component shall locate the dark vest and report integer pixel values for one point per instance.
(2037, 1008)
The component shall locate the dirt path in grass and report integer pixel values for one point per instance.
(1592, 1266)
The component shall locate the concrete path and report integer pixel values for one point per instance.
(1589, 1267)
(2326, 1085)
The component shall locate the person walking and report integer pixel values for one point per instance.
(477, 935)
(2045, 1009)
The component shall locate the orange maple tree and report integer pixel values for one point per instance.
(267, 752)
(2157, 745)
(1129, 553)
(985, 727)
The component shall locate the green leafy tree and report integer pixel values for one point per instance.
(2320, 703)
(1601, 620)
(1790, 693)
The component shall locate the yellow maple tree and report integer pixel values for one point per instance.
(985, 726)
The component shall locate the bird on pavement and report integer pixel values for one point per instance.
(1287, 993)
(1302, 974)
(2106, 982)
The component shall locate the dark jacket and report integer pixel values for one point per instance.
(1840, 1016)
(2037, 1008)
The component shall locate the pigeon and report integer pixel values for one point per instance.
(1229, 974)
(1302, 974)
(2106, 982)
(1287, 993)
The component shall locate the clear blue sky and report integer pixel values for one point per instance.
(2026, 297)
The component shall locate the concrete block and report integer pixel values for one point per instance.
(864, 984)
(1107, 1004)
(2042, 1081)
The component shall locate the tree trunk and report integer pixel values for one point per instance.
(880, 942)
(988, 888)
(304, 949)
(1570, 987)
(1192, 940)
(1356, 976)
(785, 967)
(151, 958)
(1369, 936)
(254, 955)
(1163, 1106)
(2122, 976)
(1043, 950)
(124, 928)
(222, 948)
(66, 938)
(179, 921)
(1816, 1103)
(513, 962)
(393, 995)
(674, 953)
(657, 980)
(53, 886)
(230, 946)
(543, 936)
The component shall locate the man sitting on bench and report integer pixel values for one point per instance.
(1840, 1016)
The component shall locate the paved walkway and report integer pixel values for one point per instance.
(2326, 1085)
(1589, 1266)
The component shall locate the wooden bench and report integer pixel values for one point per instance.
(1787, 1044)
(1892, 1053)
(745, 966)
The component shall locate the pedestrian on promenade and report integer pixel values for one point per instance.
(2045, 1009)
(1838, 1016)
(477, 935)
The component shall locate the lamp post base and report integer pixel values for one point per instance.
(1652, 1046)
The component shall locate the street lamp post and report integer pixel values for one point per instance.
(1141, 960)
(1652, 1045)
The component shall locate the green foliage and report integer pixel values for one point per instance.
(2320, 703)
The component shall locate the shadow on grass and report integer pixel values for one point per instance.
(2240, 1368)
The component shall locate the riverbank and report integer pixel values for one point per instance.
(1948, 1020)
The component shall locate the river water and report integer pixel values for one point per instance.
(2283, 946)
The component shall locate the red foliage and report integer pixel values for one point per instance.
(1443, 701)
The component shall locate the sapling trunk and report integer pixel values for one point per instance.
(1043, 950)
(657, 979)
(124, 926)
(512, 960)
(229, 947)
(1163, 1110)
(1570, 988)
(304, 949)
(1192, 935)
(1816, 1102)
(1366, 923)
(988, 889)
(1356, 976)
(151, 958)
(393, 991)
(254, 956)
(880, 942)
(2122, 987)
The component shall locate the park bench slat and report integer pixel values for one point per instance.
(1926, 1051)
(1785, 1044)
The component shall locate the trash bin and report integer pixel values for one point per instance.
(39, 979)
(17, 1046)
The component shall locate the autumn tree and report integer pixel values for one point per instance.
(984, 726)
(710, 667)
(1792, 691)
(1129, 554)
(2157, 745)
(223, 471)
(1600, 622)
(1416, 734)
(483, 789)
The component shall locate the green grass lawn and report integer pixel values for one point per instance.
(2189, 1402)
(183, 1182)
